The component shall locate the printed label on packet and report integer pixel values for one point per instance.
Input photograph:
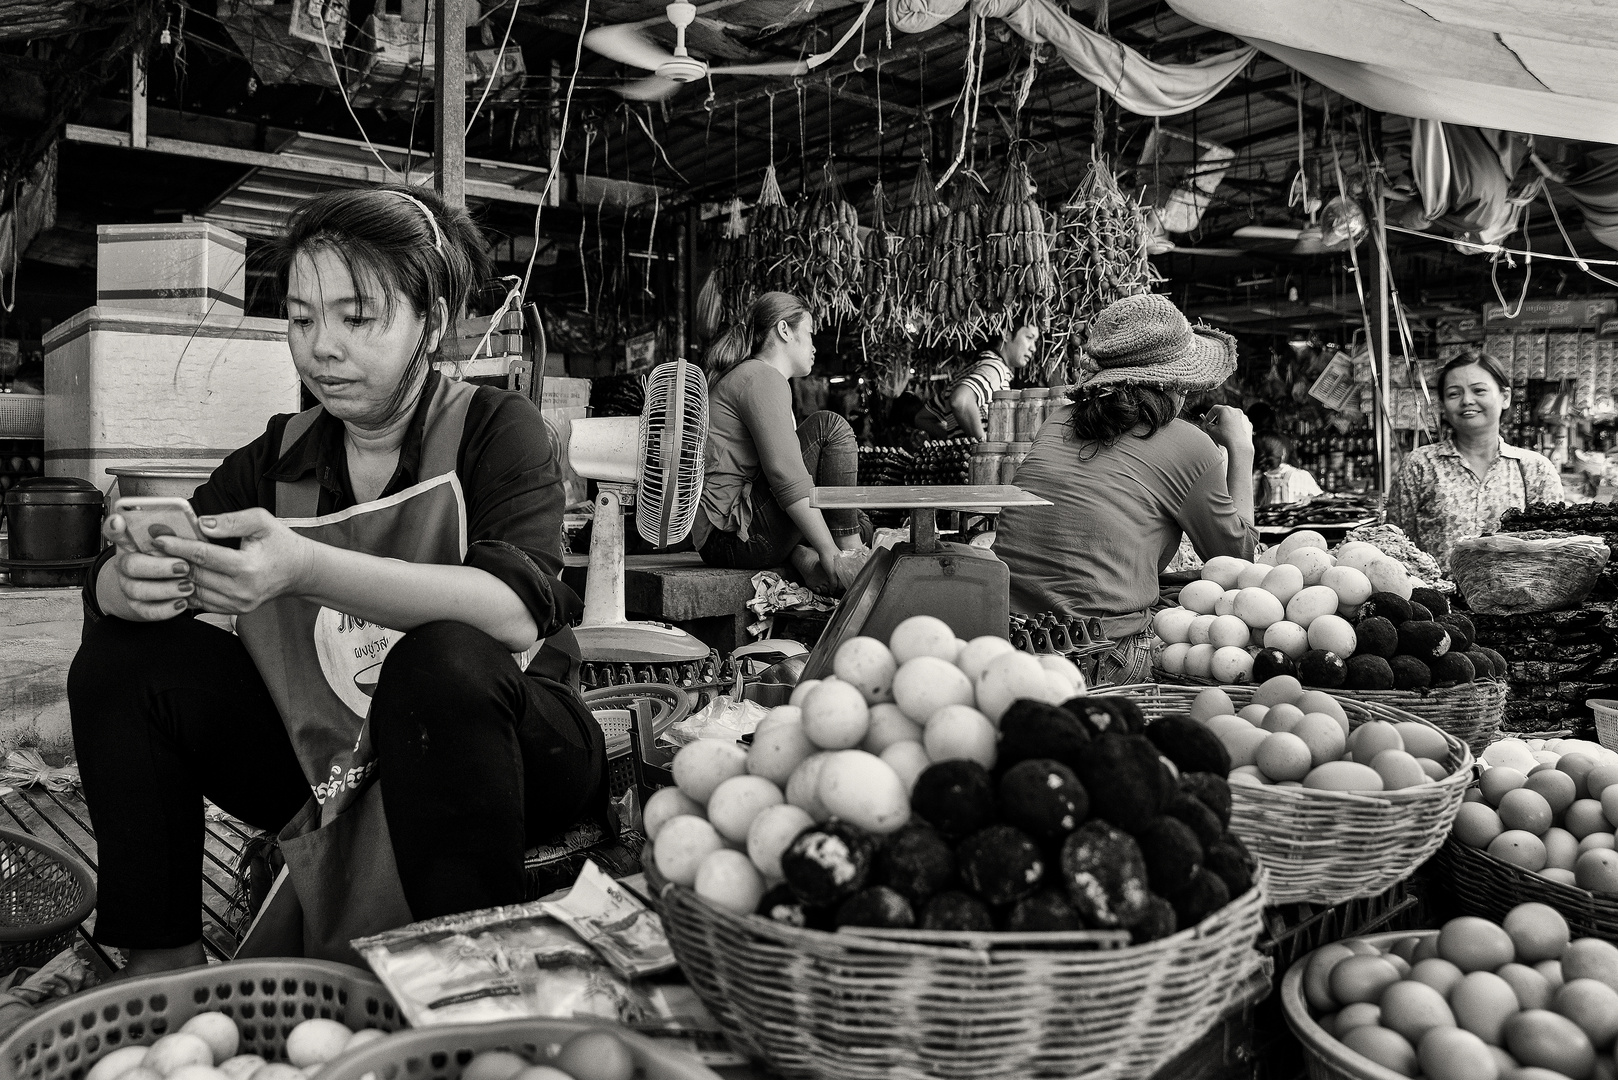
(615, 923)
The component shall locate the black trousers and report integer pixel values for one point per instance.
(474, 757)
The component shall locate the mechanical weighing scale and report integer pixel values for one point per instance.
(967, 587)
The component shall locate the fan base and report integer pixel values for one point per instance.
(639, 643)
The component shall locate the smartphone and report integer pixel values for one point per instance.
(153, 516)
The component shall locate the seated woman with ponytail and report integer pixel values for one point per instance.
(1125, 478)
(399, 699)
(761, 467)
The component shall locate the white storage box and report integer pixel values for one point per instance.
(192, 268)
(146, 388)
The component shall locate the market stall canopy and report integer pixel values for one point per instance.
(1542, 67)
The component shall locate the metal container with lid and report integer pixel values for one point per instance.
(54, 525)
(1003, 415)
(1031, 413)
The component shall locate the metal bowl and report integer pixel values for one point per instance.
(153, 481)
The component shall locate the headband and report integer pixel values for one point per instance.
(438, 237)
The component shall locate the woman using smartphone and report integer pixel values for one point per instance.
(399, 699)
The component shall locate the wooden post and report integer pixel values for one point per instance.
(449, 100)
(137, 99)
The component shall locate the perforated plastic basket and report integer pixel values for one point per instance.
(442, 1051)
(266, 998)
(44, 894)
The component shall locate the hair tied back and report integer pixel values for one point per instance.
(432, 222)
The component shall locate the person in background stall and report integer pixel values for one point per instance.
(962, 408)
(399, 700)
(1126, 477)
(761, 466)
(1459, 487)
(1277, 483)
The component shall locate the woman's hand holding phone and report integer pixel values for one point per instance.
(272, 560)
(154, 586)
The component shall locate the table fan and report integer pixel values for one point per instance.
(654, 463)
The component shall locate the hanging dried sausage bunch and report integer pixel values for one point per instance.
(880, 305)
(955, 273)
(1098, 253)
(924, 216)
(1017, 259)
(728, 289)
(831, 277)
(773, 244)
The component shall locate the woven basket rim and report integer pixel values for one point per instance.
(970, 940)
(1556, 892)
(10, 935)
(1460, 776)
(373, 1057)
(1317, 1043)
(1476, 686)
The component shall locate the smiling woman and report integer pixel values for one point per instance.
(385, 555)
(1459, 487)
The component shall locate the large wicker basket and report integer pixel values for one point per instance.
(266, 998)
(1327, 1058)
(1471, 711)
(1484, 885)
(44, 894)
(1324, 847)
(822, 1006)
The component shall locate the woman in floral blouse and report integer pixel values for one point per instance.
(1459, 487)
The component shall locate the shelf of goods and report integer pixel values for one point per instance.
(1531, 833)
(977, 867)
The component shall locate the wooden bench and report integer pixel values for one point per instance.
(705, 601)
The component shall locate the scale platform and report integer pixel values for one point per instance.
(967, 587)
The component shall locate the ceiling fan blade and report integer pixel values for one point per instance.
(627, 45)
(1266, 232)
(651, 88)
(775, 67)
(1216, 253)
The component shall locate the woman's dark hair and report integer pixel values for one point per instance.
(748, 336)
(1269, 452)
(1104, 414)
(1472, 358)
(395, 242)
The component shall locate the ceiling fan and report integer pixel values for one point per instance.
(628, 44)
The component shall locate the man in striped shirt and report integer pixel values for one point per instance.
(962, 409)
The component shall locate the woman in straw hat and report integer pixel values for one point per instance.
(1126, 478)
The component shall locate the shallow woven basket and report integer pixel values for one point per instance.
(1325, 847)
(1606, 713)
(44, 894)
(1471, 712)
(266, 998)
(1490, 887)
(1328, 1059)
(940, 1005)
(442, 1051)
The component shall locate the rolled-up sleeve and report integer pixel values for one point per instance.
(1209, 517)
(515, 497)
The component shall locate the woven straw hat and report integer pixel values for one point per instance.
(1145, 340)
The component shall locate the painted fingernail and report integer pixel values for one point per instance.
(180, 568)
(179, 605)
(186, 587)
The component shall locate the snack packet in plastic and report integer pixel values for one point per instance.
(613, 920)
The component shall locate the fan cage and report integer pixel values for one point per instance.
(674, 422)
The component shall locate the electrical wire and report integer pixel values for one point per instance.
(343, 90)
(1583, 263)
(556, 151)
(1528, 273)
(494, 72)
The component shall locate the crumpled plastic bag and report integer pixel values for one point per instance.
(772, 593)
(25, 768)
(724, 717)
(1520, 573)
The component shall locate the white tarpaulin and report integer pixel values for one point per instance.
(1141, 86)
(1542, 67)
